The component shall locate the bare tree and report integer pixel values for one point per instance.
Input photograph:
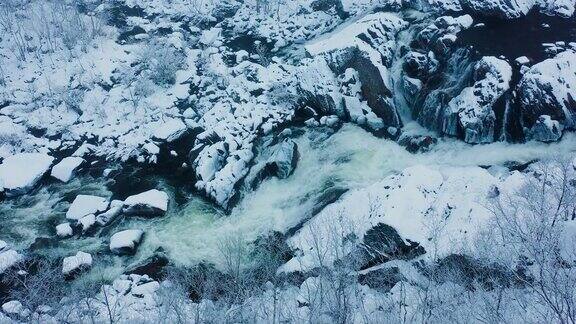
(37, 282)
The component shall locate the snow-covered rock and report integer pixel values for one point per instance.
(148, 288)
(64, 230)
(546, 129)
(85, 205)
(126, 242)
(438, 208)
(111, 214)
(501, 8)
(150, 203)
(515, 9)
(547, 88)
(8, 257)
(20, 172)
(170, 130)
(66, 168)
(284, 159)
(87, 222)
(441, 34)
(367, 46)
(77, 263)
(472, 111)
(15, 310)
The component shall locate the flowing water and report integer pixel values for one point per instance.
(193, 231)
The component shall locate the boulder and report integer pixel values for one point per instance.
(547, 88)
(126, 242)
(419, 65)
(64, 230)
(470, 115)
(74, 265)
(152, 266)
(170, 130)
(87, 223)
(284, 159)
(85, 205)
(20, 172)
(417, 143)
(66, 168)
(15, 310)
(111, 214)
(8, 257)
(148, 288)
(150, 203)
(280, 160)
(546, 130)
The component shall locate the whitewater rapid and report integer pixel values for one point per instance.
(351, 158)
(329, 165)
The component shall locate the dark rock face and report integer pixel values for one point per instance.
(284, 160)
(382, 243)
(467, 271)
(546, 130)
(280, 161)
(381, 279)
(417, 144)
(547, 88)
(152, 266)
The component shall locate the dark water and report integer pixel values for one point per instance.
(518, 37)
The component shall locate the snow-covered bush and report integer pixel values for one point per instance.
(73, 98)
(161, 62)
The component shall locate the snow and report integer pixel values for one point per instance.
(547, 88)
(78, 262)
(64, 230)
(472, 109)
(125, 241)
(153, 199)
(170, 130)
(8, 257)
(145, 289)
(87, 222)
(84, 205)
(20, 172)
(66, 168)
(522, 60)
(15, 308)
(422, 203)
(347, 35)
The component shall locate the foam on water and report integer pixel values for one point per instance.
(351, 158)
(194, 231)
